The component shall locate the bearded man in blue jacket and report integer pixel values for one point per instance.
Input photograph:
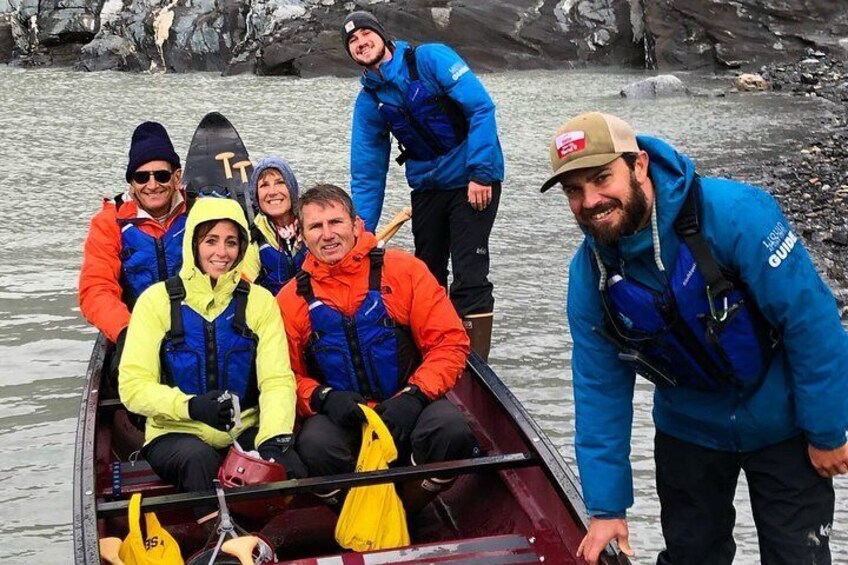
(700, 285)
(444, 122)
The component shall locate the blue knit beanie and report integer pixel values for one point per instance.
(285, 170)
(150, 142)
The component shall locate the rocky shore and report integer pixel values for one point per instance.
(812, 183)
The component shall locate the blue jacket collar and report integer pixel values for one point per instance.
(389, 72)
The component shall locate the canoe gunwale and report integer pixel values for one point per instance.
(86, 546)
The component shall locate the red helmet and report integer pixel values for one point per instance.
(240, 469)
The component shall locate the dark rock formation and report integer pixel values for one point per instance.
(744, 33)
(300, 37)
(7, 42)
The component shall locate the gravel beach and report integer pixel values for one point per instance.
(812, 183)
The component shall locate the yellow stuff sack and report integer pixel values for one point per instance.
(373, 516)
(158, 548)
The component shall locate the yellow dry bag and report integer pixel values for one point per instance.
(158, 548)
(373, 516)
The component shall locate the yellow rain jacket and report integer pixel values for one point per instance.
(251, 264)
(166, 407)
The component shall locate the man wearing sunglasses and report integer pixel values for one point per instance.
(700, 285)
(135, 239)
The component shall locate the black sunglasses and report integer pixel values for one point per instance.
(142, 177)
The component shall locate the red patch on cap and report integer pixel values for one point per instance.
(570, 142)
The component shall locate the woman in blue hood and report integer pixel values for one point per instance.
(277, 249)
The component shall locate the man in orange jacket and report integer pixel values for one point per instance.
(135, 239)
(366, 325)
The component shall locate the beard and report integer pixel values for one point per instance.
(373, 60)
(633, 213)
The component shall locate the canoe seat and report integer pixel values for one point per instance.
(131, 477)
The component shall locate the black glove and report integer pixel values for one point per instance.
(400, 413)
(340, 406)
(212, 409)
(279, 449)
(115, 363)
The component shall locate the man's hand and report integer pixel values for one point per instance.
(829, 462)
(400, 413)
(340, 406)
(601, 532)
(479, 195)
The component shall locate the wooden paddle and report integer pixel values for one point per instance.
(241, 548)
(109, 548)
(390, 229)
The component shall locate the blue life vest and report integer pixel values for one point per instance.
(199, 355)
(277, 266)
(146, 260)
(701, 331)
(368, 352)
(427, 125)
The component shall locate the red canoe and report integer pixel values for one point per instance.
(518, 503)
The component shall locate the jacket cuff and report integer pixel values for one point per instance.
(319, 396)
(827, 441)
(609, 515)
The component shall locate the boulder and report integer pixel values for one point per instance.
(749, 82)
(659, 86)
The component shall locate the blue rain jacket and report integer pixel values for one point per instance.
(802, 392)
(478, 158)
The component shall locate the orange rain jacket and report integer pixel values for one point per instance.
(413, 298)
(100, 288)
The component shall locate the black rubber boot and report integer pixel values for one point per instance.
(418, 494)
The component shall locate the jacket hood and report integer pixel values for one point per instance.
(671, 173)
(284, 168)
(199, 291)
(351, 262)
(388, 71)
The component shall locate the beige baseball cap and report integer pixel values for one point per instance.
(592, 139)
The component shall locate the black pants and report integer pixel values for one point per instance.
(187, 462)
(440, 434)
(792, 505)
(444, 225)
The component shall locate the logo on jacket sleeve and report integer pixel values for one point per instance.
(457, 70)
(780, 242)
(570, 142)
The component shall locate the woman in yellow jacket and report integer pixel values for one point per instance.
(199, 339)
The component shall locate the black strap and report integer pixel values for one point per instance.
(688, 227)
(176, 293)
(304, 286)
(240, 318)
(375, 275)
(119, 201)
(411, 63)
(257, 236)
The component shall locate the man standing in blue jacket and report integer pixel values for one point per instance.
(444, 122)
(700, 285)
